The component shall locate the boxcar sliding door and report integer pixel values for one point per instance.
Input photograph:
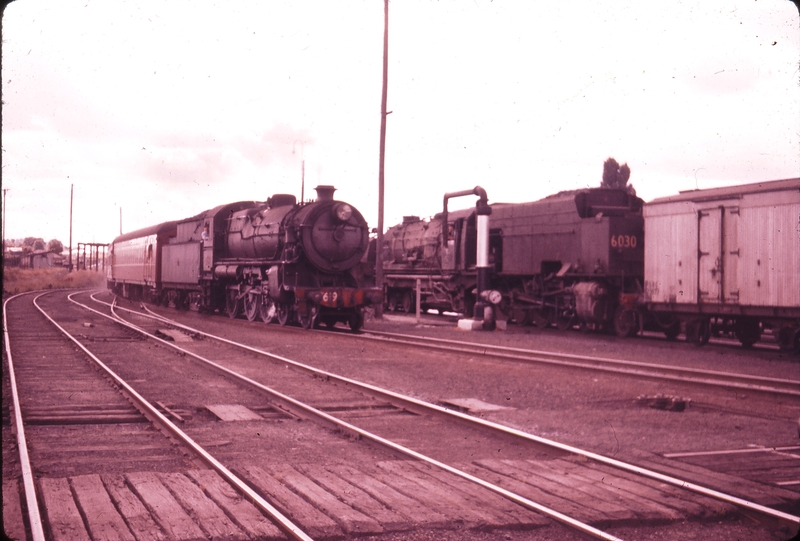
(709, 252)
(730, 255)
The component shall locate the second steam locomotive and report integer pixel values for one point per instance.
(552, 259)
(274, 260)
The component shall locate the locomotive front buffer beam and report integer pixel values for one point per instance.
(484, 312)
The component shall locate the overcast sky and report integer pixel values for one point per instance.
(165, 109)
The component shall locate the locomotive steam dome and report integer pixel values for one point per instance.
(334, 234)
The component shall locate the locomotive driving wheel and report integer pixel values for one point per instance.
(233, 305)
(521, 316)
(251, 306)
(284, 311)
(541, 318)
(266, 309)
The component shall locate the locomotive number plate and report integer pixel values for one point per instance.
(623, 241)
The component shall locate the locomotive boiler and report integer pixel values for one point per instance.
(275, 260)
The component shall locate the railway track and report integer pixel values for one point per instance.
(418, 405)
(505, 477)
(728, 380)
(94, 500)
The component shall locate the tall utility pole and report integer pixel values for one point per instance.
(71, 187)
(379, 246)
(5, 196)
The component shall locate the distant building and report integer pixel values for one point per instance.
(40, 259)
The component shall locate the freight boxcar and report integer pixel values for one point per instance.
(726, 260)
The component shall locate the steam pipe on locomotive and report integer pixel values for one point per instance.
(483, 310)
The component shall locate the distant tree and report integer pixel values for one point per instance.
(616, 176)
(32, 244)
(55, 246)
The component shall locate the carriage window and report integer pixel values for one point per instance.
(150, 252)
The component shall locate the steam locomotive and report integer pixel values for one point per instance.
(275, 260)
(553, 260)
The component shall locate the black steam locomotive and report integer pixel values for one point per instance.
(567, 259)
(274, 260)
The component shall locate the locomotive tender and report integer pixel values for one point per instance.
(276, 260)
(701, 262)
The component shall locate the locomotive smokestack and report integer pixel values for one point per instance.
(325, 193)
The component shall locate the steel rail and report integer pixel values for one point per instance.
(516, 498)
(605, 364)
(680, 483)
(34, 517)
(281, 521)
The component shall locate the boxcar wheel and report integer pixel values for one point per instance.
(698, 332)
(748, 331)
(673, 331)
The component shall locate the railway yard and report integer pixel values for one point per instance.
(151, 423)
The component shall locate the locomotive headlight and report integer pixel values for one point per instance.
(343, 212)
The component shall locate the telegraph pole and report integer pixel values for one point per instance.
(5, 196)
(71, 187)
(379, 246)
